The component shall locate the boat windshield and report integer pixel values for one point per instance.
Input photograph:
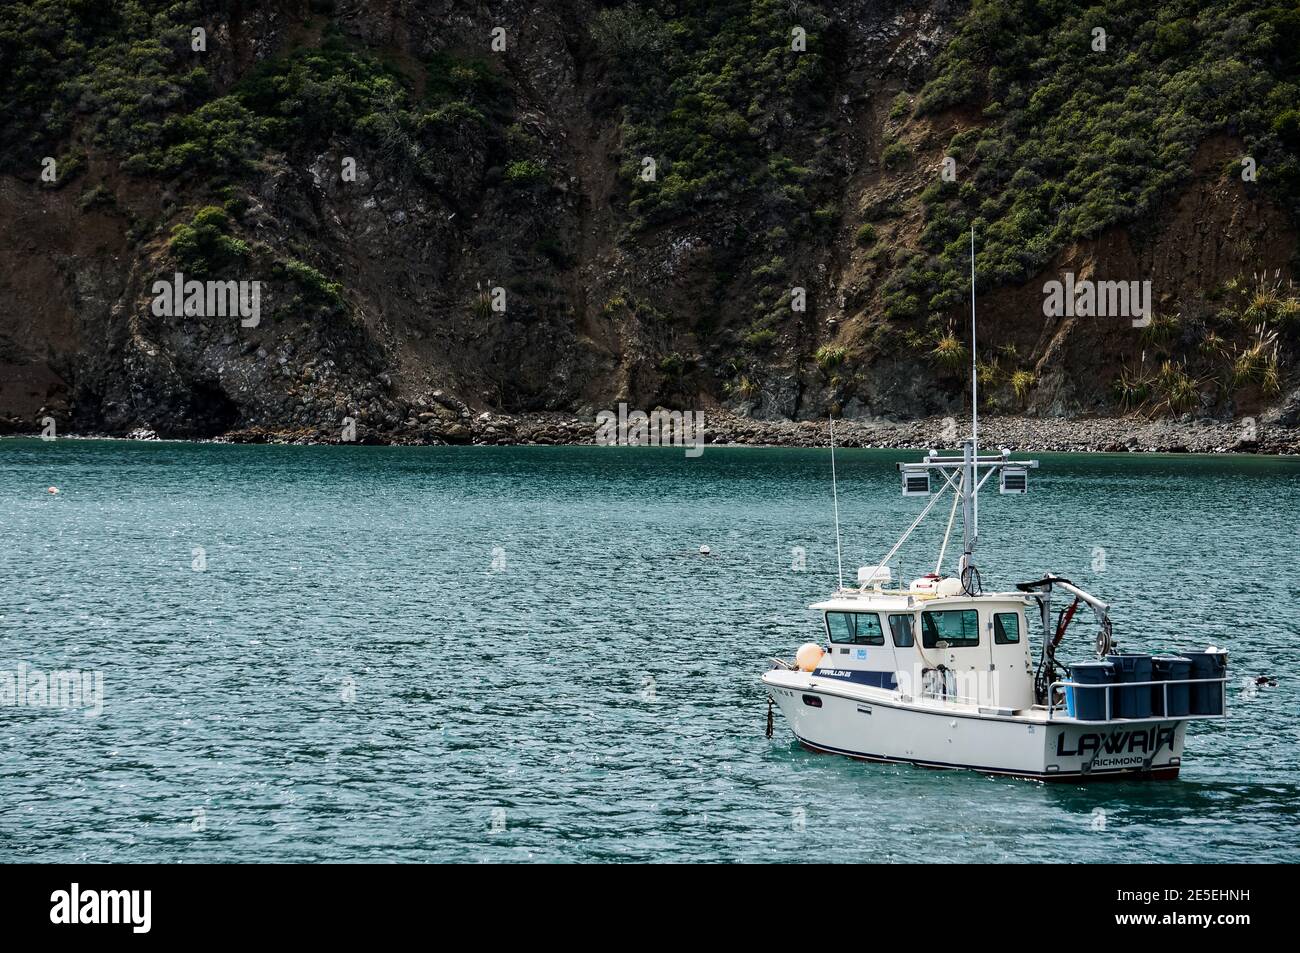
(855, 628)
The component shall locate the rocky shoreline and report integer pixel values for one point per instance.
(1106, 435)
(1134, 434)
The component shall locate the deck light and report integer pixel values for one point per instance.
(916, 484)
(1013, 480)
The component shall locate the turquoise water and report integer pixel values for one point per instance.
(386, 653)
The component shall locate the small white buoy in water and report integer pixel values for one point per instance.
(704, 550)
(808, 656)
(52, 490)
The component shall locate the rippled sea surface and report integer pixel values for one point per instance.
(517, 654)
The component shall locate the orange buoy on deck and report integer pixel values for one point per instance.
(808, 656)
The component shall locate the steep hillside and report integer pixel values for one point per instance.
(630, 202)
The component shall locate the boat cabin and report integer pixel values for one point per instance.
(955, 647)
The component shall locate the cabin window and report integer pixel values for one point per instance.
(1006, 628)
(960, 628)
(855, 628)
(901, 626)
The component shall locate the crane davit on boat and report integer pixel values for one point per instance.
(939, 672)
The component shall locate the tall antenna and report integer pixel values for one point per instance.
(835, 495)
(974, 397)
(1013, 474)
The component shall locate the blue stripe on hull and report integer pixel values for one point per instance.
(859, 677)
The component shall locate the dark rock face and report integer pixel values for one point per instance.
(492, 261)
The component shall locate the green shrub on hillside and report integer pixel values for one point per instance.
(708, 88)
(895, 155)
(126, 65)
(525, 173)
(202, 245)
(1082, 140)
(316, 287)
(128, 68)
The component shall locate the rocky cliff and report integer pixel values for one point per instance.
(753, 206)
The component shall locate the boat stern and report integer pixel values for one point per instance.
(1086, 750)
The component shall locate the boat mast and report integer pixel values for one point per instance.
(835, 496)
(961, 474)
(970, 512)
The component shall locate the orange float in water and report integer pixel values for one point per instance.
(808, 656)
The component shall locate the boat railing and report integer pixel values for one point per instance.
(1110, 687)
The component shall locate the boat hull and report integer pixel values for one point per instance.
(881, 727)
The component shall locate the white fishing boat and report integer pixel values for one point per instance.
(938, 672)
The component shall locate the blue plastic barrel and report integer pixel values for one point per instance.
(1207, 697)
(1088, 704)
(1131, 702)
(1170, 668)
